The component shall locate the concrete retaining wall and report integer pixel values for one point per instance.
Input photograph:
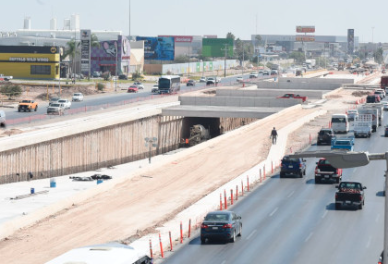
(237, 101)
(316, 94)
(306, 83)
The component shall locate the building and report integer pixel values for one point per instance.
(29, 62)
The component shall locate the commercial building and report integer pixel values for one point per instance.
(29, 62)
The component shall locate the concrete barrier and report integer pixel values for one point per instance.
(305, 83)
(312, 94)
(238, 101)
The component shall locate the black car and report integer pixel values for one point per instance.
(190, 83)
(324, 136)
(293, 167)
(225, 225)
(123, 77)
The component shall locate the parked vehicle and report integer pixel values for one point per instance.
(123, 77)
(139, 85)
(133, 89)
(324, 171)
(349, 194)
(190, 83)
(240, 79)
(345, 143)
(77, 97)
(293, 167)
(340, 123)
(384, 82)
(66, 103)
(5, 78)
(294, 96)
(352, 114)
(324, 136)
(224, 225)
(363, 126)
(56, 109)
(27, 105)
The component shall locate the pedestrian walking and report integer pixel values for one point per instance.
(274, 135)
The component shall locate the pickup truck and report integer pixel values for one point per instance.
(295, 96)
(324, 136)
(342, 143)
(324, 171)
(5, 78)
(27, 105)
(349, 194)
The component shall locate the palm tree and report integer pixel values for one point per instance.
(94, 41)
(72, 51)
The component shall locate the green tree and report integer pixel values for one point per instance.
(94, 41)
(11, 90)
(298, 57)
(182, 59)
(230, 35)
(72, 51)
(378, 55)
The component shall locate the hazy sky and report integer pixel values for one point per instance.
(201, 17)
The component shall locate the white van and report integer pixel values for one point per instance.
(112, 253)
(340, 123)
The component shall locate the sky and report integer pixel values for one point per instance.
(206, 17)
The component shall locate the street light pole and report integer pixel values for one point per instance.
(150, 142)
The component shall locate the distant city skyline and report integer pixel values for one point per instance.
(216, 17)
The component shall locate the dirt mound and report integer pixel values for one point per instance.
(360, 93)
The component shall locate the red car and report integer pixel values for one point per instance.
(295, 96)
(133, 89)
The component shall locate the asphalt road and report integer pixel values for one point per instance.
(91, 103)
(292, 220)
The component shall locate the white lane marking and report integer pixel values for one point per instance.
(308, 238)
(377, 218)
(251, 234)
(290, 194)
(273, 212)
(324, 214)
(369, 241)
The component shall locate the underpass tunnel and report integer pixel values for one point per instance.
(212, 124)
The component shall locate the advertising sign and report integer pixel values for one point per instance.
(216, 47)
(158, 48)
(85, 51)
(305, 29)
(304, 38)
(350, 41)
(179, 38)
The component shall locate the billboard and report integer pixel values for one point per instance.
(85, 51)
(350, 41)
(158, 48)
(178, 38)
(304, 38)
(216, 47)
(305, 29)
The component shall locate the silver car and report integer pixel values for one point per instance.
(77, 97)
(56, 109)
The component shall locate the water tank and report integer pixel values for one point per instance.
(53, 24)
(27, 23)
(74, 23)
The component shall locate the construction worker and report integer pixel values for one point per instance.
(274, 135)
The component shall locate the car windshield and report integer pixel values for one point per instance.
(217, 217)
(77, 94)
(291, 159)
(54, 99)
(55, 105)
(61, 101)
(322, 132)
(342, 142)
(26, 101)
(338, 120)
(325, 162)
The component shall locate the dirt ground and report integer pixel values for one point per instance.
(142, 203)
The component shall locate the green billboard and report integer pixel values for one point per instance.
(215, 47)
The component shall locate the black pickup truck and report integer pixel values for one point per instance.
(349, 194)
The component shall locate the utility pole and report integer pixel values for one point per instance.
(242, 64)
(129, 20)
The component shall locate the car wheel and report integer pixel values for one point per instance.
(19, 109)
(239, 234)
(36, 108)
(337, 206)
(360, 206)
(233, 238)
(203, 240)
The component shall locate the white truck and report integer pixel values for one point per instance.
(374, 114)
(5, 78)
(310, 63)
(379, 107)
(363, 125)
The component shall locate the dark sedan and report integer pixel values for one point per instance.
(190, 83)
(225, 225)
(324, 136)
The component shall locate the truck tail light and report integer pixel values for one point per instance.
(227, 226)
(204, 226)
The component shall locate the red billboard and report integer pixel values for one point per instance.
(304, 38)
(305, 29)
(179, 38)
